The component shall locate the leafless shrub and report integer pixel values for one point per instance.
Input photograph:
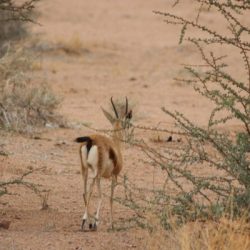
(25, 102)
(6, 187)
(11, 30)
(13, 18)
(17, 11)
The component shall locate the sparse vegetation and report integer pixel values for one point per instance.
(14, 11)
(224, 153)
(223, 234)
(73, 46)
(207, 175)
(25, 102)
(5, 187)
(185, 183)
(13, 16)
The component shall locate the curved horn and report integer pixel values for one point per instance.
(126, 111)
(116, 114)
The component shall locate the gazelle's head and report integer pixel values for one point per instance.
(121, 117)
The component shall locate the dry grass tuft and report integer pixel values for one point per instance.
(226, 234)
(26, 102)
(44, 200)
(73, 46)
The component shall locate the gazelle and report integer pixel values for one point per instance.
(101, 157)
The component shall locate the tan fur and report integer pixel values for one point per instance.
(104, 144)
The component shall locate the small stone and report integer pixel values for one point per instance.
(17, 217)
(5, 224)
(170, 138)
(132, 79)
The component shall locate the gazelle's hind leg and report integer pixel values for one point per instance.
(113, 185)
(96, 222)
(87, 197)
(89, 162)
(84, 170)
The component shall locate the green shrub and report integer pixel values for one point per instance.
(207, 175)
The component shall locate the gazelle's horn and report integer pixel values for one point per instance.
(116, 114)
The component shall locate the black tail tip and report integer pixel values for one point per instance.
(82, 139)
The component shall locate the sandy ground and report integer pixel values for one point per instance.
(123, 49)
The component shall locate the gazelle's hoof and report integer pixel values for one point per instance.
(92, 227)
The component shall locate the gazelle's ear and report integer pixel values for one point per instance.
(108, 116)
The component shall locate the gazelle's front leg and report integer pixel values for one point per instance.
(113, 185)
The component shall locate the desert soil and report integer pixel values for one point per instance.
(120, 48)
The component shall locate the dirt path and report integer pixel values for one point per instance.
(111, 48)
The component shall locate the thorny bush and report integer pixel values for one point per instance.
(208, 174)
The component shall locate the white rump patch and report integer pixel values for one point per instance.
(93, 160)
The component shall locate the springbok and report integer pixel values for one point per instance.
(101, 157)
